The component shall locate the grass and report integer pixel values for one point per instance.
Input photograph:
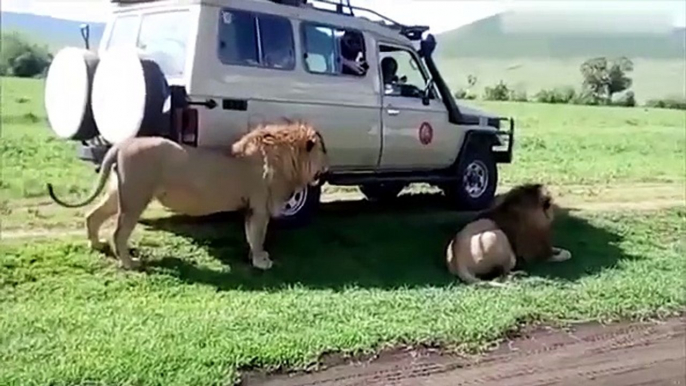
(198, 313)
(31, 154)
(567, 144)
(615, 144)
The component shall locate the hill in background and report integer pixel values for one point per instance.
(488, 38)
(533, 61)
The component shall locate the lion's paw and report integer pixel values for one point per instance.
(262, 261)
(560, 255)
(132, 263)
(515, 274)
(491, 284)
(99, 246)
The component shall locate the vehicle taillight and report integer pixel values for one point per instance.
(189, 127)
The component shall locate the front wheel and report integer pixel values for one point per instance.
(477, 180)
(300, 207)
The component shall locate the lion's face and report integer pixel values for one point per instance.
(542, 211)
(294, 149)
(317, 163)
(532, 203)
(547, 204)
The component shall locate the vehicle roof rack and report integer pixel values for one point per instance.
(131, 1)
(344, 7)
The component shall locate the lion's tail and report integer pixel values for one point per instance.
(108, 162)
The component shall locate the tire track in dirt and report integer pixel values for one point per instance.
(639, 197)
(592, 354)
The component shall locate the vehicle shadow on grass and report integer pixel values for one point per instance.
(363, 244)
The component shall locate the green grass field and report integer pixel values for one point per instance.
(615, 145)
(360, 278)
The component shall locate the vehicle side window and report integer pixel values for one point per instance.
(401, 73)
(335, 51)
(254, 39)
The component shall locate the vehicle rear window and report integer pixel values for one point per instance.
(161, 36)
(164, 37)
(124, 31)
(254, 39)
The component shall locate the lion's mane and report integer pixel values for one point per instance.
(282, 147)
(525, 215)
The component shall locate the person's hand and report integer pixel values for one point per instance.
(355, 66)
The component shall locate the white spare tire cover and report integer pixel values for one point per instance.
(68, 91)
(131, 96)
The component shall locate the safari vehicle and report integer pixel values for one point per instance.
(201, 72)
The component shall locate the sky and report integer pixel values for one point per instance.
(444, 15)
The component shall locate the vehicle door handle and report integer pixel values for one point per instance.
(393, 111)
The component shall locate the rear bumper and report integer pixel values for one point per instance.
(503, 151)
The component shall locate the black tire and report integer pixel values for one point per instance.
(477, 179)
(301, 215)
(381, 191)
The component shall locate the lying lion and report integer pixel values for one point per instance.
(264, 168)
(519, 225)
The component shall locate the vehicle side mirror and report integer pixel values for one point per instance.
(426, 95)
(85, 34)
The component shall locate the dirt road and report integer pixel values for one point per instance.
(37, 219)
(620, 354)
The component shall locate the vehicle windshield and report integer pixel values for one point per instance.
(161, 36)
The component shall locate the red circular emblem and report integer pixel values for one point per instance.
(426, 133)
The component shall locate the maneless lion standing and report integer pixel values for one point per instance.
(265, 166)
(519, 225)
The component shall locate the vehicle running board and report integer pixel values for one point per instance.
(414, 177)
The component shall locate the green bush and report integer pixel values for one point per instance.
(518, 96)
(668, 103)
(499, 92)
(19, 57)
(587, 98)
(556, 95)
(627, 99)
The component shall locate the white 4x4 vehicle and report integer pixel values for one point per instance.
(201, 72)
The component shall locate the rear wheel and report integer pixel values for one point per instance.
(477, 179)
(300, 208)
(381, 191)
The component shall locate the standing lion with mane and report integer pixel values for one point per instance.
(263, 169)
(518, 225)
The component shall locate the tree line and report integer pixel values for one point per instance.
(604, 82)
